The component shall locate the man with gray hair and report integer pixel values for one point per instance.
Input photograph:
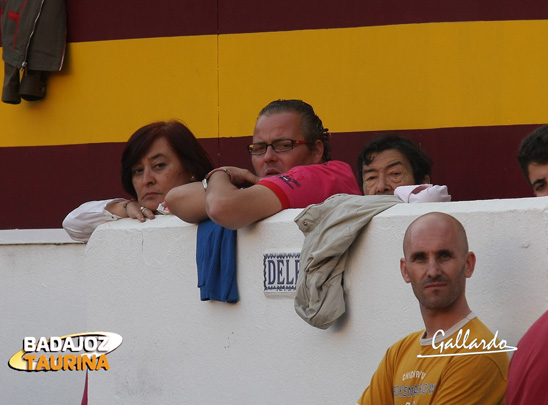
(290, 155)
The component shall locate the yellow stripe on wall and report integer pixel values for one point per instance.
(391, 77)
(358, 79)
(108, 89)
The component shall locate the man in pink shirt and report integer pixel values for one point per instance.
(291, 157)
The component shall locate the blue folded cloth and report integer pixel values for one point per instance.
(216, 261)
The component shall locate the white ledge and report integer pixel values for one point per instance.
(34, 237)
(140, 280)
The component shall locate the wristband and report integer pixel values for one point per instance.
(219, 169)
(125, 205)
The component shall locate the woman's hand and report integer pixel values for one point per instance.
(130, 209)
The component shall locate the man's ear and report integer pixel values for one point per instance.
(470, 264)
(426, 179)
(527, 175)
(317, 151)
(403, 270)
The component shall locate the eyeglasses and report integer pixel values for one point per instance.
(280, 145)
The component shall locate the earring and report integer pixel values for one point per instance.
(193, 178)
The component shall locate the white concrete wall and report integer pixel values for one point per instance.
(139, 280)
(42, 293)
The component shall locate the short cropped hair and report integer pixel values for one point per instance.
(419, 160)
(191, 154)
(311, 124)
(442, 216)
(533, 149)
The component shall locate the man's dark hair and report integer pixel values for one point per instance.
(533, 149)
(420, 162)
(311, 124)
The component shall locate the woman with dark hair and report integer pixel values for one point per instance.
(157, 157)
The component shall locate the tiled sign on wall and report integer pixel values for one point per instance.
(281, 271)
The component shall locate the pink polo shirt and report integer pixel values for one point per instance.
(312, 184)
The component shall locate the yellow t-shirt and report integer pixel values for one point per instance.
(403, 378)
